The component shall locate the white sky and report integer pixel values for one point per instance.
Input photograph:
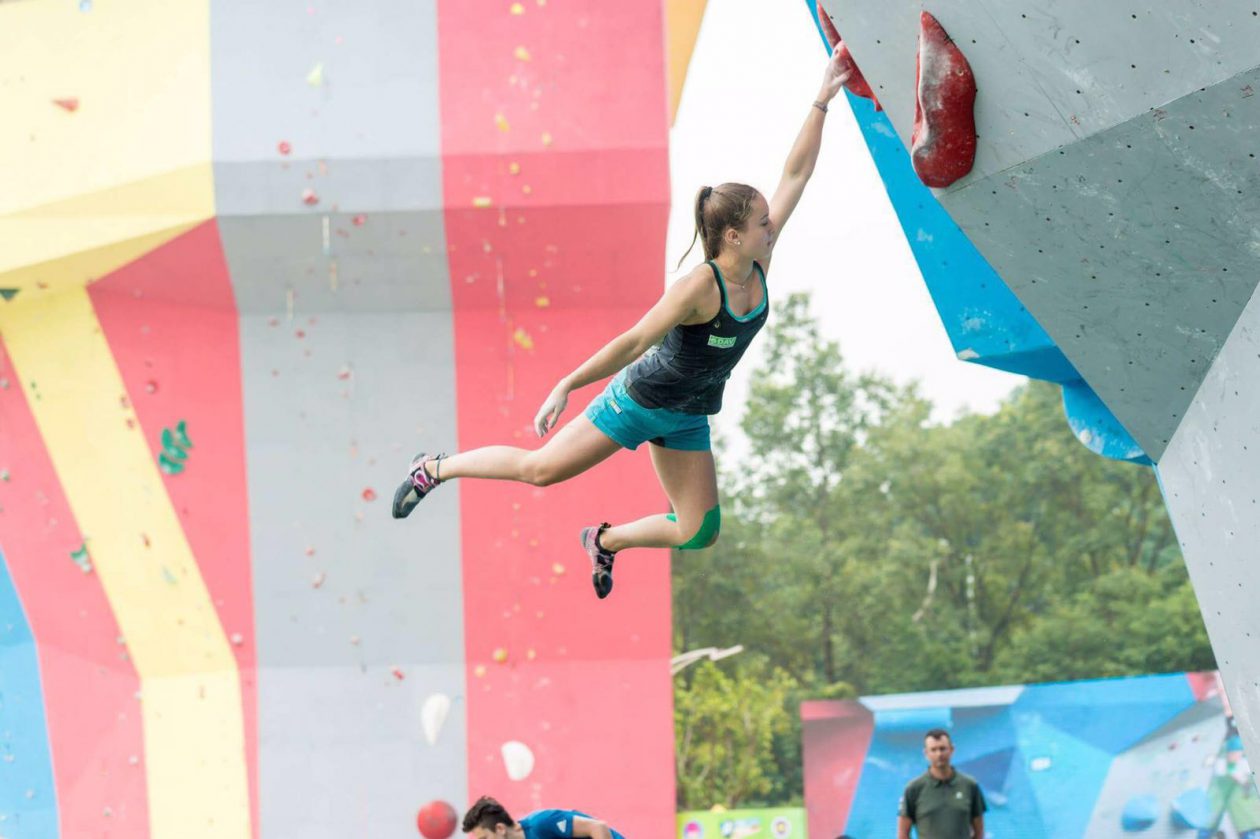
(756, 69)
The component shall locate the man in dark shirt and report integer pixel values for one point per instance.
(942, 803)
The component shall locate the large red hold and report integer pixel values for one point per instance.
(828, 28)
(857, 84)
(943, 145)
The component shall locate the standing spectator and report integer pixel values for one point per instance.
(942, 803)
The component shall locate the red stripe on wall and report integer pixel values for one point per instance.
(555, 178)
(171, 323)
(89, 684)
(835, 736)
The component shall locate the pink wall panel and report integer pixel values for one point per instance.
(555, 170)
(89, 684)
(837, 735)
(170, 320)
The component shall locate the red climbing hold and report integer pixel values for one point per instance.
(943, 145)
(70, 104)
(828, 28)
(857, 84)
(436, 820)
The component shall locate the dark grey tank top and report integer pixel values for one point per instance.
(688, 372)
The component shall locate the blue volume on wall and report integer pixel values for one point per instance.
(984, 319)
(28, 798)
(1041, 756)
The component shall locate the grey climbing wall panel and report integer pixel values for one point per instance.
(1210, 474)
(1084, 116)
(329, 197)
(1115, 192)
(365, 137)
(1050, 74)
(1135, 248)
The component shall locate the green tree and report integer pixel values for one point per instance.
(997, 519)
(725, 725)
(781, 563)
(868, 546)
(1129, 621)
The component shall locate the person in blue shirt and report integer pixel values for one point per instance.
(488, 819)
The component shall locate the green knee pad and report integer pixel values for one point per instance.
(706, 535)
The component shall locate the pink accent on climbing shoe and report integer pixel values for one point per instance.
(943, 145)
(857, 84)
(420, 478)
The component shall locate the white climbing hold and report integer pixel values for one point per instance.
(433, 715)
(518, 760)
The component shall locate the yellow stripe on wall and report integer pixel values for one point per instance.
(140, 215)
(194, 736)
(140, 73)
(682, 28)
(86, 266)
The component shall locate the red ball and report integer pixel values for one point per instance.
(436, 820)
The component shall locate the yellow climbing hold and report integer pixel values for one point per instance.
(514, 168)
(500, 656)
(522, 339)
(546, 138)
(481, 201)
(521, 54)
(501, 123)
(517, 9)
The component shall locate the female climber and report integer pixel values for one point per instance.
(660, 395)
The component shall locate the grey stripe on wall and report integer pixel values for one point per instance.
(1210, 474)
(336, 252)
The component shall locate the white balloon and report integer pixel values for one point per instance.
(433, 715)
(518, 759)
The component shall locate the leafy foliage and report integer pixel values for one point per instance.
(870, 550)
(725, 724)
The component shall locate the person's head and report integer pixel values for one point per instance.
(732, 217)
(488, 819)
(938, 748)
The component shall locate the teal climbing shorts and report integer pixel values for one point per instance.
(629, 424)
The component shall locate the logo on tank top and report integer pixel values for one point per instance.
(720, 342)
